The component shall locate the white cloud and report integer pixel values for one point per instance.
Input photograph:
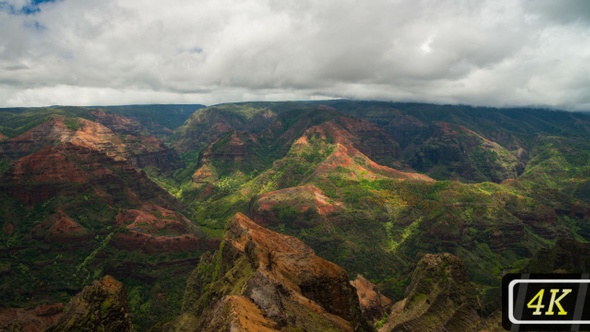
(209, 51)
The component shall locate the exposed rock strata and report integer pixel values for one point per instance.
(268, 282)
(69, 170)
(116, 136)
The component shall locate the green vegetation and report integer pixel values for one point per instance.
(510, 183)
(387, 224)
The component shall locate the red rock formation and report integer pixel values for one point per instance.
(205, 175)
(234, 148)
(49, 165)
(272, 280)
(361, 167)
(118, 137)
(70, 170)
(370, 139)
(347, 155)
(81, 132)
(239, 314)
(58, 170)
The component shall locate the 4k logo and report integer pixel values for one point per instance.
(546, 302)
(536, 302)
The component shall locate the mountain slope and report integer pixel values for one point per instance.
(439, 298)
(374, 187)
(270, 282)
(75, 206)
(378, 218)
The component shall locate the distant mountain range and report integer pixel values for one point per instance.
(391, 192)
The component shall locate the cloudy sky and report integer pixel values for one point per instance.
(498, 53)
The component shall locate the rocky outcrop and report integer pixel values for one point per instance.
(232, 152)
(374, 304)
(231, 147)
(345, 138)
(52, 171)
(439, 298)
(260, 280)
(358, 135)
(100, 307)
(209, 124)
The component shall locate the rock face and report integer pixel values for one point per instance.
(100, 307)
(260, 280)
(439, 298)
(373, 303)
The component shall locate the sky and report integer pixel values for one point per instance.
(498, 53)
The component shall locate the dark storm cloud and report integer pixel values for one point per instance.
(123, 51)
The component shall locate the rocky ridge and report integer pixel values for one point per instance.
(271, 282)
(100, 307)
(439, 298)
